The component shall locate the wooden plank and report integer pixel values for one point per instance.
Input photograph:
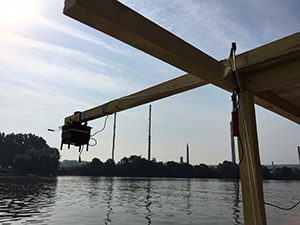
(122, 23)
(163, 90)
(273, 77)
(272, 102)
(117, 20)
(273, 54)
(250, 167)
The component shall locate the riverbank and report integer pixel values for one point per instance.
(136, 166)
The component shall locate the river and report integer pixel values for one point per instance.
(129, 201)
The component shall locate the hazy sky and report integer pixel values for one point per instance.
(52, 66)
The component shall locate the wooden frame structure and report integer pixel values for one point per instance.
(269, 76)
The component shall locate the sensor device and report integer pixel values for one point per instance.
(75, 134)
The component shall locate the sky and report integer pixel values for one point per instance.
(52, 66)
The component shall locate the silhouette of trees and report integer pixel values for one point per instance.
(228, 170)
(203, 171)
(285, 173)
(97, 167)
(266, 173)
(136, 166)
(28, 153)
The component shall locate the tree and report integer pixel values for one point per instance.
(203, 171)
(96, 167)
(265, 172)
(109, 167)
(28, 153)
(42, 162)
(15, 144)
(283, 173)
(227, 170)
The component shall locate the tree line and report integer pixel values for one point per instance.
(27, 154)
(136, 166)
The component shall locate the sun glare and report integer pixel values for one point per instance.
(13, 10)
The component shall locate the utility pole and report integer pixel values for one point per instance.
(187, 154)
(149, 135)
(232, 145)
(299, 153)
(114, 136)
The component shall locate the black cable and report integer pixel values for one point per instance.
(286, 209)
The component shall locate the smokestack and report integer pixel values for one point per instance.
(187, 154)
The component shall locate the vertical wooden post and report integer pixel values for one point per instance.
(250, 167)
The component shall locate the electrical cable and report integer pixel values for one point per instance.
(279, 207)
(94, 143)
(102, 127)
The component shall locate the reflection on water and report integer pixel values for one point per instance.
(130, 201)
(29, 199)
(236, 205)
(148, 202)
(188, 197)
(108, 199)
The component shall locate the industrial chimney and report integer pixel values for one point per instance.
(187, 154)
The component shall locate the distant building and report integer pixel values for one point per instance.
(181, 160)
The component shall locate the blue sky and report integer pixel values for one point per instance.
(52, 65)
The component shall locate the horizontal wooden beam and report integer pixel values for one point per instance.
(166, 89)
(124, 24)
(272, 102)
(260, 69)
(273, 77)
(273, 54)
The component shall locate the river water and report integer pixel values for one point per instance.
(129, 201)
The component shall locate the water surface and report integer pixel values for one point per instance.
(128, 201)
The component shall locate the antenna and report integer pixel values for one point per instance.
(149, 135)
(114, 137)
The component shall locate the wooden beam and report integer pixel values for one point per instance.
(124, 24)
(163, 90)
(275, 76)
(250, 167)
(272, 102)
(273, 54)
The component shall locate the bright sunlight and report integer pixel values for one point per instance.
(14, 10)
